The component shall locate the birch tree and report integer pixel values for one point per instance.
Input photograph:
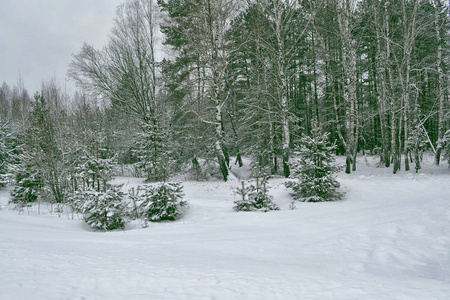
(203, 35)
(348, 53)
(282, 53)
(439, 6)
(124, 71)
(409, 30)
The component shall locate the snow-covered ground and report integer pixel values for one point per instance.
(389, 238)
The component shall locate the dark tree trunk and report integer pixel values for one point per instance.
(196, 168)
(239, 160)
(223, 166)
(348, 164)
(286, 168)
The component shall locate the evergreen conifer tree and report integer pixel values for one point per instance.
(94, 171)
(162, 202)
(255, 197)
(43, 144)
(153, 151)
(315, 169)
(28, 181)
(8, 151)
(102, 210)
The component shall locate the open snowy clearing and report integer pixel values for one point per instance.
(389, 238)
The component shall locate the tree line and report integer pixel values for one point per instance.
(240, 78)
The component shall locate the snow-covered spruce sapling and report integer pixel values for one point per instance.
(103, 210)
(261, 198)
(255, 198)
(315, 169)
(137, 196)
(244, 204)
(162, 202)
(133, 195)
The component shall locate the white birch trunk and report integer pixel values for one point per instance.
(408, 45)
(440, 84)
(216, 65)
(381, 99)
(349, 66)
(282, 90)
(392, 103)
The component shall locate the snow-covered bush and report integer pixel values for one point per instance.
(161, 202)
(102, 210)
(255, 198)
(315, 169)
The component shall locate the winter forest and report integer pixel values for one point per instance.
(294, 94)
(240, 79)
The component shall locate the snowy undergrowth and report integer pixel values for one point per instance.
(389, 238)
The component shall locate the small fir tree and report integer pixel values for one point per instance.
(255, 197)
(315, 169)
(162, 202)
(244, 204)
(102, 210)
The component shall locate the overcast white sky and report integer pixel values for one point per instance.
(38, 37)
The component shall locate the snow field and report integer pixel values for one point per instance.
(389, 238)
